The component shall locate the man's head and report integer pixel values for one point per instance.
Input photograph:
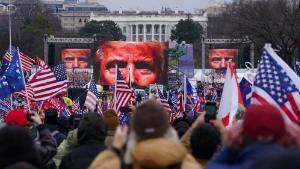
(219, 58)
(75, 58)
(150, 120)
(144, 61)
(205, 141)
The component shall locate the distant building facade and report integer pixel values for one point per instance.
(148, 26)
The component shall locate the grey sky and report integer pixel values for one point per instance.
(186, 5)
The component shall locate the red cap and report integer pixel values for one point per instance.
(263, 121)
(16, 116)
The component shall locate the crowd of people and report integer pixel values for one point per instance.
(262, 139)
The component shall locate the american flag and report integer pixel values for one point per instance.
(41, 63)
(277, 84)
(48, 83)
(26, 61)
(4, 109)
(29, 91)
(165, 104)
(92, 96)
(297, 68)
(123, 93)
(180, 108)
(75, 105)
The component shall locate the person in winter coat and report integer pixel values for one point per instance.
(16, 146)
(90, 134)
(152, 143)
(256, 136)
(44, 143)
(51, 118)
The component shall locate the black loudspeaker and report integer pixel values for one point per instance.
(51, 55)
(74, 93)
(105, 87)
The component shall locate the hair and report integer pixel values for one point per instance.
(205, 141)
(133, 139)
(156, 49)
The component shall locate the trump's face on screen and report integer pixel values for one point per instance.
(143, 61)
(75, 58)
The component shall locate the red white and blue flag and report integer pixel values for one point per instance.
(26, 61)
(92, 96)
(47, 83)
(277, 84)
(41, 63)
(165, 104)
(123, 93)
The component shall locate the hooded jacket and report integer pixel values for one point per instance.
(158, 153)
(91, 134)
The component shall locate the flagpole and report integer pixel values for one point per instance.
(184, 92)
(9, 27)
(23, 80)
(115, 92)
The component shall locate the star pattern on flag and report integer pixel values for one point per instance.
(274, 80)
(60, 72)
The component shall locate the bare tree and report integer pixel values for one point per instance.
(267, 21)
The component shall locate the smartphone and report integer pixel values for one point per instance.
(211, 111)
(125, 109)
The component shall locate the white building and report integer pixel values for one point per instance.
(150, 26)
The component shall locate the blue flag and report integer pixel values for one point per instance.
(3, 67)
(12, 79)
(189, 93)
(246, 91)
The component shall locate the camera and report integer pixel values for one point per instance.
(28, 116)
(211, 111)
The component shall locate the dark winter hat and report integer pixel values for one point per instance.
(150, 120)
(91, 129)
(263, 122)
(16, 116)
(16, 145)
(111, 119)
(51, 116)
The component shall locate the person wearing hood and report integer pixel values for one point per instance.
(51, 123)
(91, 134)
(152, 143)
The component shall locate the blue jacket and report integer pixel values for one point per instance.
(228, 159)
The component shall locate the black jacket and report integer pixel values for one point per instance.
(81, 157)
(91, 134)
(46, 147)
(59, 137)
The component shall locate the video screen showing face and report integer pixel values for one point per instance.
(76, 58)
(146, 62)
(220, 58)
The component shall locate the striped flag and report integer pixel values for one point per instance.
(246, 88)
(49, 82)
(29, 91)
(231, 101)
(165, 104)
(277, 84)
(123, 93)
(180, 107)
(92, 96)
(41, 63)
(26, 61)
(75, 105)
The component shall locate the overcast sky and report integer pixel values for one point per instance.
(186, 5)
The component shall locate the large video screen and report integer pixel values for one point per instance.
(220, 58)
(77, 59)
(146, 62)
